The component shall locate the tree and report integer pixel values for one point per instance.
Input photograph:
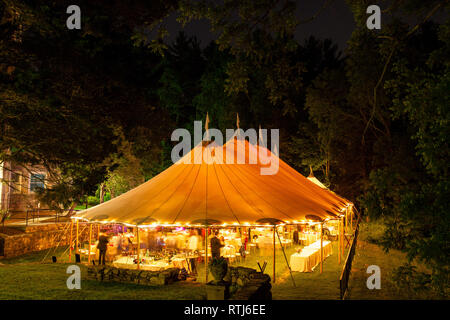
(59, 96)
(408, 116)
(126, 173)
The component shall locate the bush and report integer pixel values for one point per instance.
(372, 231)
(93, 201)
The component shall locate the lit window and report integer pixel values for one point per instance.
(37, 182)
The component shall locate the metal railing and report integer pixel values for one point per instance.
(345, 275)
(37, 216)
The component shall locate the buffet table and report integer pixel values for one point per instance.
(309, 257)
(127, 263)
(177, 261)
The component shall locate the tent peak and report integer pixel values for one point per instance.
(207, 126)
(311, 173)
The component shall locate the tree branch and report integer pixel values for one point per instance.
(375, 89)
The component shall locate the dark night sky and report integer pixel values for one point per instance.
(335, 22)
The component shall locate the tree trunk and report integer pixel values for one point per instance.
(72, 207)
(102, 193)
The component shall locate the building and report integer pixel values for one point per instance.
(19, 185)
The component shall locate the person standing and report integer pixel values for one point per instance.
(102, 246)
(216, 244)
(295, 237)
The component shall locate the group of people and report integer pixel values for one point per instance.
(155, 241)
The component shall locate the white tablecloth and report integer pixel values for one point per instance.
(308, 238)
(310, 257)
(228, 251)
(127, 262)
(180, 263)
(264, 242)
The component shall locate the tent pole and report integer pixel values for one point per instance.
(98, 232)
(274, 228)
(76, 248)
(206, 255)
(321, 247)
(71, 239)
(138, 247)
(284, 253)
(89, 250)
(351, 219)
(339, 241)
(342, 236)
(346, 220)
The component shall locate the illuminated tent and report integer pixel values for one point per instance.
(317, 182)
(209, 191)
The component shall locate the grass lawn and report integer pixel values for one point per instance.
(368, 253)
(311, 285)
(48, 281)
(31, 277)
(26, 277)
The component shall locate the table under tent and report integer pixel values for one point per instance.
(166, 222)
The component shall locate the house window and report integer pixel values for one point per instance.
(37, 182)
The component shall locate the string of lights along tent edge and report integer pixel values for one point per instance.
(216, 194)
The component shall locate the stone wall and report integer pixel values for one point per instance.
(143, 277)
(41, 237)
(248, 284)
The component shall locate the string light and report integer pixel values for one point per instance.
(224, 225)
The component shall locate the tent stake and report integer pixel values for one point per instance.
(284, 253)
